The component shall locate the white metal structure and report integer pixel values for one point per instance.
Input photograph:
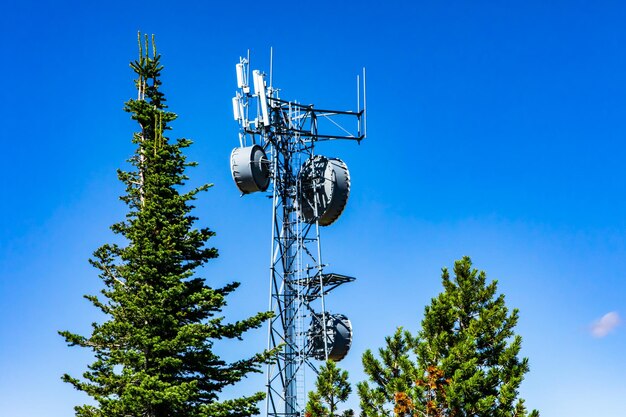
(276, 153)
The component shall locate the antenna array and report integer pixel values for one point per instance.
(277, 140)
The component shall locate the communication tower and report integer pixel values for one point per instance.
(276, 155)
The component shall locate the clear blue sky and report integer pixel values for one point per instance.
(496, 130)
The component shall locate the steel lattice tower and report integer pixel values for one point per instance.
(277, 146)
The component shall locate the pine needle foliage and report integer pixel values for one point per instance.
(391, 378)
(463, 362)
(331, 389)
(154, 354)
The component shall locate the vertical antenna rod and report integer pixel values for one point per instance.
(358, 102)
(271, 66)
(364, 105)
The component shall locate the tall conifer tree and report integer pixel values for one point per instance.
(463, 362)
(154, 354)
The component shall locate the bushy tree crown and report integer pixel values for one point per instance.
(463, 362)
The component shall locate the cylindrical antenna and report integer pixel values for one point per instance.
(239, 69)
(236, 112)
(358, 94)
(358, 105)
(271, 65)
(364, 105)
(248, 74)
(255, 82)
(259, 90)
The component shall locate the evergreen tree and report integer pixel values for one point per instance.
(463, 362)
(331, 388)
(154, 353)
(392, 376)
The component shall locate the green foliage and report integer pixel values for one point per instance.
(154, 353)
(393, 373)
(464, 361)
(331, 388)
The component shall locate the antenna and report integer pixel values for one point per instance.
(358, 94)
(239, 69)
(308, 191)
(246, 87)
(259, 90)
(271, 66)
(236, 112)
(358, 101)
(364, 106)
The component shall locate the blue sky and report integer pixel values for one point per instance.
(496, 130)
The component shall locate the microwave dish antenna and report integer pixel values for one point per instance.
(330, 336)
(276, 155)
(325, 185)
(250, 169)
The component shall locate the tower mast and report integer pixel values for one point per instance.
(308, 191)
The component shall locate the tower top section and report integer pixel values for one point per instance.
(261, 113)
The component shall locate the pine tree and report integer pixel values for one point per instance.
(154, 354)
(464, 360)
(392, 376)
(331, 389)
